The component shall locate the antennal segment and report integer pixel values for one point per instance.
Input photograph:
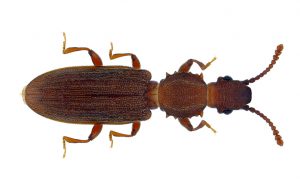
(278, 138)
(275, 58)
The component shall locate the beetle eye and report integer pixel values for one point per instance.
(227, 111)
(227, 78)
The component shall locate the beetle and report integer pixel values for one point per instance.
(104, 95)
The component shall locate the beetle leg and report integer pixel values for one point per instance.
(135, 129)
(188, 64)
(135, 61)
(94, 56)
(187, 124)
(94, 133)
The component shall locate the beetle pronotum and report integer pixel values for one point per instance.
(101, 95)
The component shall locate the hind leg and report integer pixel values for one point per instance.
(94, 133)
(94, 56)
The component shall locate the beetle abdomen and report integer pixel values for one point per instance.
(182, 95)
(91, 94)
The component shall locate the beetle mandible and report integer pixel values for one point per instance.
(102, 95)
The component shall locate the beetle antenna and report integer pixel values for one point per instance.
(278, 138)
(275, 58)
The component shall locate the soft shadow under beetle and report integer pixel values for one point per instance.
(101, 95)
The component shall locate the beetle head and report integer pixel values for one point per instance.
(227, 95)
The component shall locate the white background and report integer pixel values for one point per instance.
(163, 34)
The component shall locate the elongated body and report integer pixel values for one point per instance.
(101, 95)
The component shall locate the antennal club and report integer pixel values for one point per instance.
(278, 138)
(275, 58)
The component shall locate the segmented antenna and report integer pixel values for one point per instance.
(278, 138)
(275, 58)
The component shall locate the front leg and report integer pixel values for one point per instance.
(188, 64)
(135, 61)
(187, 124)
(94, 133)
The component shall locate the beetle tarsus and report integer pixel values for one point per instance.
(64, 43)
(64, 147)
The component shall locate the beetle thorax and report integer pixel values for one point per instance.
(182, 95)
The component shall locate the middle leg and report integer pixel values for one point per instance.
(135, 128)
(135, 61)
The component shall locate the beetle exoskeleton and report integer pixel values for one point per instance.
(101, 95)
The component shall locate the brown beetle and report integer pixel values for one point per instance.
(121, 95)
